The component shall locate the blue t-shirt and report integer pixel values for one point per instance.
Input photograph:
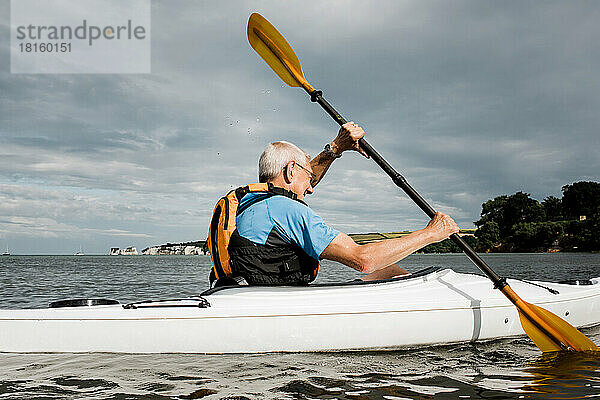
(294, 221)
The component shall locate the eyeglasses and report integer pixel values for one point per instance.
(311, 175)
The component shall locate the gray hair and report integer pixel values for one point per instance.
(276, 156)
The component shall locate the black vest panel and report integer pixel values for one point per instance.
(276, 262)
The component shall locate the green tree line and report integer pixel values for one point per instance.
(519, 223)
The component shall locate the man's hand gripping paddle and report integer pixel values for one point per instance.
(546, 330)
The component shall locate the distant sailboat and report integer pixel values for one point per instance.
(80, 252)
(6, 253)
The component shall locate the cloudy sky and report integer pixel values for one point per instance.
(467, 99)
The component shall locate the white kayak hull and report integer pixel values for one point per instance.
(440, 307)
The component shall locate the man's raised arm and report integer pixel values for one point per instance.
(346, 139)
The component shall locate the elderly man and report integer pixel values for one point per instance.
(279, 240)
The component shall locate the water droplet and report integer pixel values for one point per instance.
(237, 122)
(257, 119)
(231, 124)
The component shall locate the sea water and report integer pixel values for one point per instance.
(512, 368)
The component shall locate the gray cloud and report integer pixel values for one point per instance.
(467, 99)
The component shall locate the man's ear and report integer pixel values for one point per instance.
(288, 172)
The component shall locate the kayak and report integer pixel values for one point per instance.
(431, 307)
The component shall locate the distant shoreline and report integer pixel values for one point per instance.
(200, 247)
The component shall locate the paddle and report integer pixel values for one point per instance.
(546, 330)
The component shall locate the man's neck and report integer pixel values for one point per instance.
(280, 182)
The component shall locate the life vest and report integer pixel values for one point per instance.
(276, 263)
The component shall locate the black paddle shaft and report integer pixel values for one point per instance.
(499, 283)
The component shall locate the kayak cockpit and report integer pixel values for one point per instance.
(356, 282)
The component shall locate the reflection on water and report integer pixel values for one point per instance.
(565, 375)
(492, 370)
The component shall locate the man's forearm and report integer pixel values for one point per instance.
(381, 254)
(320, 164)
(347, 139)
(371, 257)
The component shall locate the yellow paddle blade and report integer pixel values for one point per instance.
(577, 341)
(275, 50)
(548, 331)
